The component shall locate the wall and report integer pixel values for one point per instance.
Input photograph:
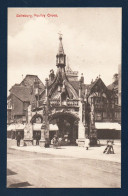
(17, 106)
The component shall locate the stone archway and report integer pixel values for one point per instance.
(37, 117)
(67, 123)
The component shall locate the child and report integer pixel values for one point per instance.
(87, 142)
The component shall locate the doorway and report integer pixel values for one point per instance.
(67, 127)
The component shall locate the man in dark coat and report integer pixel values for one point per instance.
(18, 139)
(37, 139)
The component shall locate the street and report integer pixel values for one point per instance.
(35, 170)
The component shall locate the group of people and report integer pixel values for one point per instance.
(56, 141)
(18, 138)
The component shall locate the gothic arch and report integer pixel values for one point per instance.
(69, 114)
(36, 116)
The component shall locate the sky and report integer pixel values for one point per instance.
(91, 41)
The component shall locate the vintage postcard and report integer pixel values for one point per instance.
(64, 97)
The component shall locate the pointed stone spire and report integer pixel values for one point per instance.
(60, 57)
(61, 50)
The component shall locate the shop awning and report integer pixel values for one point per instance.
(53, 127)
(107, 125)
(20, 126)
(37, 127)
(11, 127)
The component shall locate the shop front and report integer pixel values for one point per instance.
(107, 130)
(20, 129)
(37, 131)
(53, 130)
(11, 131)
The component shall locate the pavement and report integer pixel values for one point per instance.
(65, 167)
(95, 153)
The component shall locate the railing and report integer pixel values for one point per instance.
(69, 102)
(75, 73)
(55, 102)
(102, 106)
(72, 102)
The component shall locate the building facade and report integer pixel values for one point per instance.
(20, 98)
(67, 106)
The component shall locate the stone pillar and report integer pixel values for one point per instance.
(29, 113)
(28, 135)
(42, 140)
(93, 132)
(81, 128)
(28, 131)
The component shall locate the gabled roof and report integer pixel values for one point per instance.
(97, 85)
(29, 81)
(22, 92)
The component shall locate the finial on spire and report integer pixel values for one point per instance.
(61, 50)
(60, 35)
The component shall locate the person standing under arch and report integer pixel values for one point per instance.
(18, 139)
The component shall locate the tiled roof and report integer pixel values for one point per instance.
(75, 85)
(22, 92)
(30, 79)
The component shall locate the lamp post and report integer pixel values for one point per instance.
(81, 127)
(44, 142)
